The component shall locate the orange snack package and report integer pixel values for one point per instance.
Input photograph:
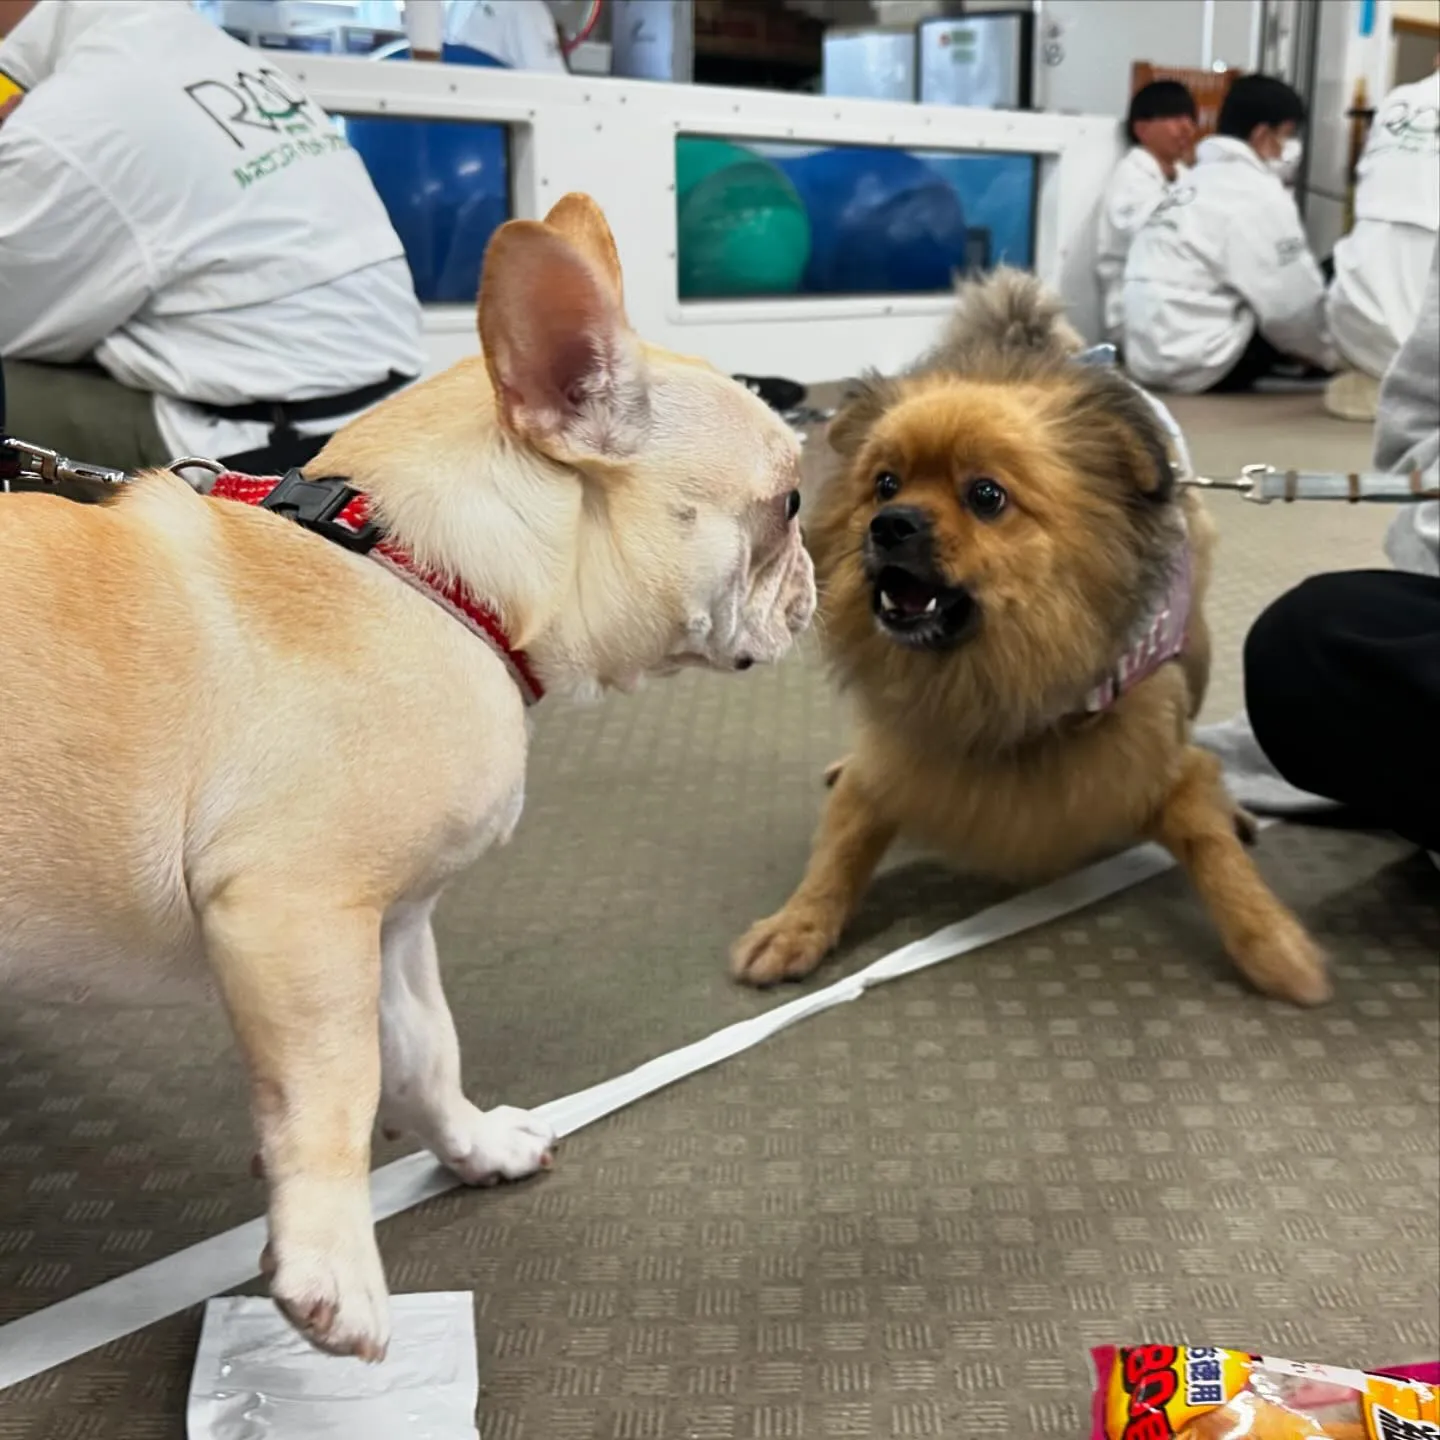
(1188, 1392)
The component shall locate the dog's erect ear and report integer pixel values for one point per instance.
(581, 221)
(866, 400)
(1114, 430)
(1150, 454)
(568, 373)
(1147, 461)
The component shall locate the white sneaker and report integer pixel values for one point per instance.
(1353, 395)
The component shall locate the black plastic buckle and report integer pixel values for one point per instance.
(314, 505)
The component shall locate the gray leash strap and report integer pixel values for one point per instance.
(1264, 483)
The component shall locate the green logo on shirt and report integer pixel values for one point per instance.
(1410, 128)
(279, 157)
(264, 105)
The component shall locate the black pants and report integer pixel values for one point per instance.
(287, 450)
(1258, 359)
(1342, 683)
(84, 414)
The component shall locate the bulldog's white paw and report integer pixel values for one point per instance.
(486, 1147)
(333, 1293)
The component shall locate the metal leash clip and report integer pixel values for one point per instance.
(20, 460)
(36, 463)
(1264, 483)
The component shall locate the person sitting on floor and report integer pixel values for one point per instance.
(1382, 264)
(1161, 128)
(192, 259)
(1220, 285)
(1342, 674)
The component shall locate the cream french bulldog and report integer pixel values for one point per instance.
(227, 740)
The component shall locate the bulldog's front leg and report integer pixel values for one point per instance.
(421, 1068)
(300, 974)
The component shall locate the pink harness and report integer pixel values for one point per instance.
(1161, 638)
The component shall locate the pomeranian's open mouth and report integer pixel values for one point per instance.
(922, 612)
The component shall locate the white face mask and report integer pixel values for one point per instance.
(1286, 165)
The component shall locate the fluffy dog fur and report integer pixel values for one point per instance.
(978, 745)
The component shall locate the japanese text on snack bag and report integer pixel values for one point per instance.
(1390, 1426)
(1204, 1377)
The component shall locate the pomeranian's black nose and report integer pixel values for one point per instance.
(896, 524)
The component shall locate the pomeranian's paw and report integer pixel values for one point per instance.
(787, 946)
(1283, 961)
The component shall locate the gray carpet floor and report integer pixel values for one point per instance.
(908, 1217)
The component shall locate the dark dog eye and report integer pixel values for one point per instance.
(887, 485)
(792, 504)
(986, 498)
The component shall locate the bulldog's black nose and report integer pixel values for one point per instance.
(896, 524)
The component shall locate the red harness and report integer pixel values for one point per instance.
(336, 511)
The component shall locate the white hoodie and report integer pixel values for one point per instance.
(1407, 431)
(1222, 253)
(1382, 265)
(176, 207)
(1135, 189)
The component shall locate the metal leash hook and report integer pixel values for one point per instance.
(53, 469)
(35, 463)
(1244, 484)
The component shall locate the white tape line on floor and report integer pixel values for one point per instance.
(121, 1306)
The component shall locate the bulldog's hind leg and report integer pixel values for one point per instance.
(421, 1089)
(1198, 824)
(300, 974)
(852, 839)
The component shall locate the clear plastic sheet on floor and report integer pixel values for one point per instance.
(256, 1379)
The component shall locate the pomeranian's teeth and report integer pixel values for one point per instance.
(886, 603)
(931, 605)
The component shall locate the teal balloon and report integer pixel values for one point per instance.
(697, 158)
(742, 227)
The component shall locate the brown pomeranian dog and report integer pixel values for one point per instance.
(1011, 587)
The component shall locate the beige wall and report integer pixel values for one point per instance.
(1428, 10)
(1414, 51)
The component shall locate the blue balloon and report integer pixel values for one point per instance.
(881, 221)
(445, 185)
